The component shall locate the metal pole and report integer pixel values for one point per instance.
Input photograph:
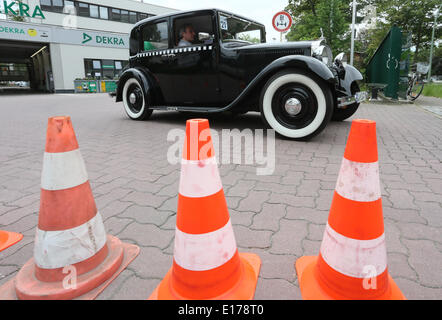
(353, 19)
(432, 42)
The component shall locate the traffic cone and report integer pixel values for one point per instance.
(73, 256)
(352, 263)
(8, 238)
(206, 261)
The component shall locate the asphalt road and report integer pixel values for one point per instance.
(280, 217)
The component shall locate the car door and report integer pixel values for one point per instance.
(193, 67)
(154, 47)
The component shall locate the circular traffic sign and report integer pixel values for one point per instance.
(282, 21)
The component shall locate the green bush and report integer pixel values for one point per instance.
(433, 90)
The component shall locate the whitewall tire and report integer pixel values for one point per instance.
(296, 104)
(134, 100)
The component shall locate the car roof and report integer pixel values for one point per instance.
(193, 11)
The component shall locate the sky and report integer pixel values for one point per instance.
(258, 10)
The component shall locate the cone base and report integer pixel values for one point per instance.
(311, 289)
(243, 290)
(89, 285)
(8, 238)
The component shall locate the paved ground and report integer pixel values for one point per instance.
(280, 217)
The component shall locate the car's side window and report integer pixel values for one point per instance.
(194, 30)
(155, 36)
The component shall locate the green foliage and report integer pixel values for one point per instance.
(334, 17)
(311, 16)
(433, 90)
(248, 37)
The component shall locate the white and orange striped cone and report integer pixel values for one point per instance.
(73, 256)
(352, 263)
(9, 238)
(206, 261)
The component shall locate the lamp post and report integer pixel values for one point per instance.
(352, 46)
(436, 15)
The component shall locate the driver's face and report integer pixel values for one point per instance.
(189, 34)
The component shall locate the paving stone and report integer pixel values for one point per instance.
(128, 170)
(287, 240)
(401, 199)
(292, 200)
(276, 289)
(308, 214)
(426, 260)
(156, 237)
(269, 217)
(151, 263)
(145, 199)
(248, 238)
(144, 214)
(251, 203)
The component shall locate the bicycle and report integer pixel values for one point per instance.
(416, 81)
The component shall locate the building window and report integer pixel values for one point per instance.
(104, 13)
(57, 5)
(103, 69)
(142, 16)
(115, 14)
(83, 9)
(46, 5)
(124, 16)
(93, 11)
(132, 17)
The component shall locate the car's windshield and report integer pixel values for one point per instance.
(239, 31)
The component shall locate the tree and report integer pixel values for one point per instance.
(415, 16)
(310, 16)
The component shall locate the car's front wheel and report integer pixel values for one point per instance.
(296, 104)
(134, 100)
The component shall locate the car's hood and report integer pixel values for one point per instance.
(277, 46)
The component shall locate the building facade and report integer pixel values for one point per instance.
(59, 40)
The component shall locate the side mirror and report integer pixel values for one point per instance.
(203, 36)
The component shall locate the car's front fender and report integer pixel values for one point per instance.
(351, 74)
(299, 62)
(144, 78)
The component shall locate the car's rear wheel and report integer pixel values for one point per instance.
(296, 104)
(134, 100)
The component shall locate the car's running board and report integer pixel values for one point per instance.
(189, 109)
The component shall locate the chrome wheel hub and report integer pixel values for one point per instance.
(132, 98)
(293, 106)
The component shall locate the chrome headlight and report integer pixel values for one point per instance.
(322, 52)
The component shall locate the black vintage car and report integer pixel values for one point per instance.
(214, 61)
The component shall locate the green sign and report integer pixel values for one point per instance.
(23, 10)
(11, 30)
(116, 41)
(86, 38)
(110, 40)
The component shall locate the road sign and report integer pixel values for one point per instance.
(282, 21)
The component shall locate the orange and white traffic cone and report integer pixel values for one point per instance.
(73, 256)
(206, 261)
(352, 263)
(8, 238)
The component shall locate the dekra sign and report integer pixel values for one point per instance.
(23, 10)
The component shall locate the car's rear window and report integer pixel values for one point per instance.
(155, 36)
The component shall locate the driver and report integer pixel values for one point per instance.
(187, 35)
